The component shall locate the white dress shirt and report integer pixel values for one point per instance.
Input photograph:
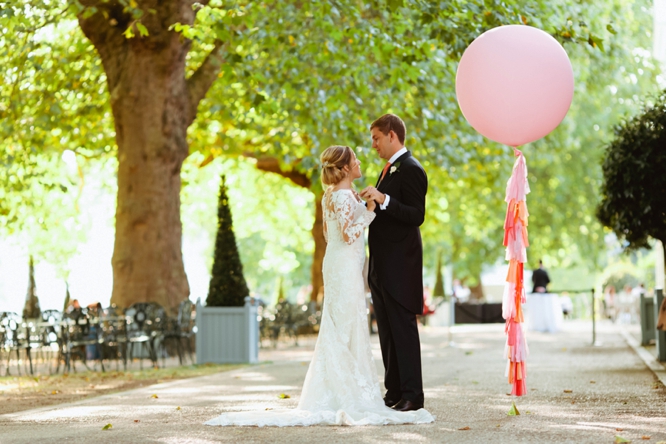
(393, 158)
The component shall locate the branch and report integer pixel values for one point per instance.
(200, 82)
(271, 165)
(104, 29)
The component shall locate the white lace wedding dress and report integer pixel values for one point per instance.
(341, 386)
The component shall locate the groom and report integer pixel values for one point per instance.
(396, 261)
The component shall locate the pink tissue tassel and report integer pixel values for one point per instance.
(516, 243)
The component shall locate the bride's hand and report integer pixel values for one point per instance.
(371, 204)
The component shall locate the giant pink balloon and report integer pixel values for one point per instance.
(514, 84)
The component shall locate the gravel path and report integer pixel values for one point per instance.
(577, 393)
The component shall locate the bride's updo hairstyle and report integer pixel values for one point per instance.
(333, 160)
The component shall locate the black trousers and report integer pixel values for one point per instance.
(399, 341)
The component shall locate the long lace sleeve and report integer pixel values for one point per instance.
(351, 229)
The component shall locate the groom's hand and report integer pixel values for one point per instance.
(371, 193)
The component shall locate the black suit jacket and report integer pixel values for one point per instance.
(396, 250)
(540, 278)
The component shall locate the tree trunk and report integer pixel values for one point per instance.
(153, 104)
(319, 251)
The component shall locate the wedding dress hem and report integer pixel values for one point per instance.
(303, 418)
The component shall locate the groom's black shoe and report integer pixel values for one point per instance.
(389, 402)
(407, 406)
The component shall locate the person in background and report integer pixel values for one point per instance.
(625, 303)
(609, 303)
(73, 305)
(428, 306)
(540, 279)
(460, 293)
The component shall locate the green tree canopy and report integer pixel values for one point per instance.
(633, 202)
(289, 78)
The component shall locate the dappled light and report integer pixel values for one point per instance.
(163, 199)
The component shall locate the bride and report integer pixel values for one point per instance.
(341, 386)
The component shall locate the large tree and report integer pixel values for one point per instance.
(290, 78)
(633, 202)
(154, 91)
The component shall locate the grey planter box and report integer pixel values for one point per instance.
(228, 335)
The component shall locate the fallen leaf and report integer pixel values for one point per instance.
(498, 425)
(619, 439)
(573, 402)
(178, 408)
(54, 392)
(469, 352)
(645, 437)
(36, 379)
(136, 420)
(465, 428)
(107, 427)
(154, 396)
(568, 391)
(593, 382)
(269, 408)
(527, 412)
(619, 430)
(283, 396)
(513, 411)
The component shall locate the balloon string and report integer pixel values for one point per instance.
(517, 152)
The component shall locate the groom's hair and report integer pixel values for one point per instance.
(391, 122)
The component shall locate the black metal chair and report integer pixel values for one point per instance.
(50, 343)
(114, 335)
(144, 321)
(82, 336)
(3, 335)
(15, 337)
(186, 324)
(178, 330)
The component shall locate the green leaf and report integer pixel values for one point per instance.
(619, 439)
(514, 410)
(395, 4)
(595, 42)
(610, 29)
(129, 32)
(142, 29)
(107, 427)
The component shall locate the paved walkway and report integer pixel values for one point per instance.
(577, 393)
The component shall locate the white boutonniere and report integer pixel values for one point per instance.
(394, 168)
